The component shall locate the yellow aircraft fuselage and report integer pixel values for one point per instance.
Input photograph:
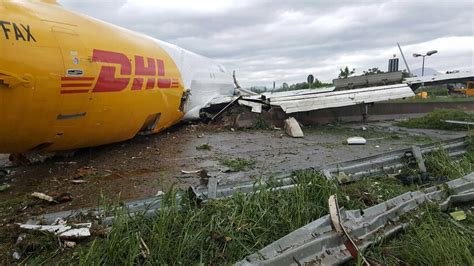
(69, 81)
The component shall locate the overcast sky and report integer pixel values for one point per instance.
(285, 40)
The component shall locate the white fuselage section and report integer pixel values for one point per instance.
(204, 78)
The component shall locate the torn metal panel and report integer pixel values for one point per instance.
(440, 79)
(256, 106)
(316, 101)
(318, 243)
(221, 100)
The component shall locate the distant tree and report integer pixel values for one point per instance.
(372, 71)
(285, 86)
(258, 89)
(345, 72)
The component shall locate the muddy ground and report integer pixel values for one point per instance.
(141, 167)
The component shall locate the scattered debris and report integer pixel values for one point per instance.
(16, 255)
(63, 198)
(75, 231)
(70, 244)
(293, 129)
(190, 172)
(144, 248)
(68, 163)
(225, 170)
(78, 181)
(4, 187)
(42, 196)
(212, 188)
(419, 158)
(356, 141)
(349, 171)
(201, 173)
(4, 172)
(390, 161)
(204, 146)
(85, 172)
(458, 215)
(159, 193)
(458, 122)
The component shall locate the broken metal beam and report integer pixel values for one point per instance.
(318, 243)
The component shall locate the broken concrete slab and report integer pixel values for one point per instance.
(293, 129)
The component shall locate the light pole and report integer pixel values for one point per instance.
(429, 53)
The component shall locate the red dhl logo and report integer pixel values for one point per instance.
(149, 76)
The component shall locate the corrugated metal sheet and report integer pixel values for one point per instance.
(315, 101)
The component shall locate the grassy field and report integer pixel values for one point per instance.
(434, 119)
(225, 231)
(432, 239)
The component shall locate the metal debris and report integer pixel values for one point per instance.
(458, 122)
(42, 196)
(75, 231)
(70, 244)
(335, 215)
(309, 100)
(318, 243)
(78, 181)
(356, 141)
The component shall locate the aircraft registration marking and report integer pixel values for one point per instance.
(21, 32)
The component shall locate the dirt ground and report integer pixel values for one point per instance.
(141, 167)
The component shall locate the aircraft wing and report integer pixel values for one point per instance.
(315, 99)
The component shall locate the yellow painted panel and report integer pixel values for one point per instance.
(85, 78)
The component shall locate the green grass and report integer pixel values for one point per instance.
(439, 164)
(238, 164)
(432, 239)
(433, 120)
(370, 191)
(260, 123)
(220, 232)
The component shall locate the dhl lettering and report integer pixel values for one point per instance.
(21, 32)
(151, 73)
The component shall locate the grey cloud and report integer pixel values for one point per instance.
(284, 41)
